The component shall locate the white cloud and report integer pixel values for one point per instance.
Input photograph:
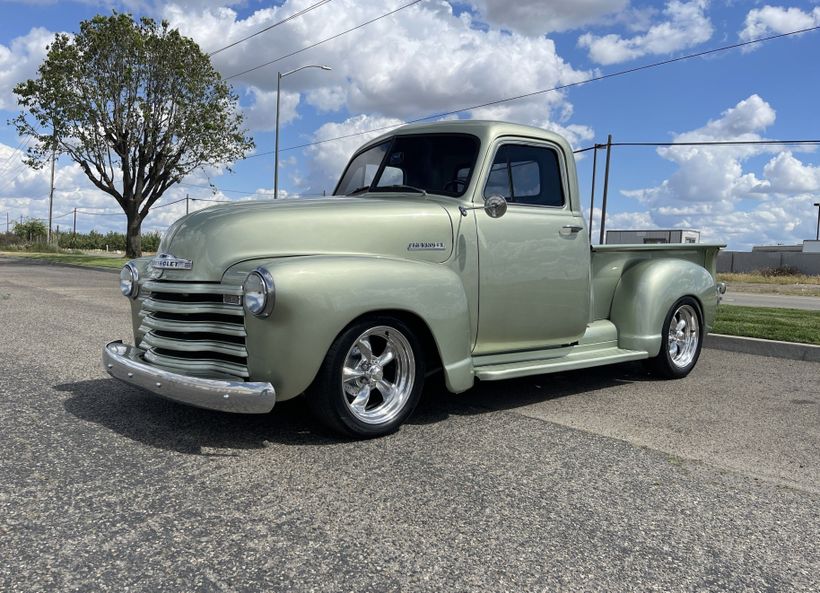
(713, 191)
(761, 22)
(421, 61)
(261, 114)
(536, 17)
(685, 25)
(786, 174)
(19, 61)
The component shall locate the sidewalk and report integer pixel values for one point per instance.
(777, 301)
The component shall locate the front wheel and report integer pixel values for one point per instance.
(371, 379)
(682, 336)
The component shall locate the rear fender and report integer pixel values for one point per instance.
(648, 290)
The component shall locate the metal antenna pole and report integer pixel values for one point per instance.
(75, 222)
(592, 196)
(606, 187)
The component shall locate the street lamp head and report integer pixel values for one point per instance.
(325, 67)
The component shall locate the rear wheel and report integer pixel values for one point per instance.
(370, 380)
(682, 336)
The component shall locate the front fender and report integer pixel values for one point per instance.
(317, 296)
(648, 290)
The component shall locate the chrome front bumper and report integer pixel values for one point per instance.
(123, 362)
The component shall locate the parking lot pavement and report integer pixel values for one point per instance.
(602, 480)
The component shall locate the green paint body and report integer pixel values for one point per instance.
(499, 297)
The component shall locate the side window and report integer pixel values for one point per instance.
(526, 174)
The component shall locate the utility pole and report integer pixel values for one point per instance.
(7, 223)
(279, 77)
(186, 204)
(817, 235)
(606, 187)
(74, 232)
(51, 193)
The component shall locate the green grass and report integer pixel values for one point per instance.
(757, 278)
(787, 325)
(91, 261)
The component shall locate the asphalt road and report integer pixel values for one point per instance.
(778, 301)
(603, 480)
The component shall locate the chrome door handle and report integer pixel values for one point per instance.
(570, 229)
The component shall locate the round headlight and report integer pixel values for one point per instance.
(128, 280)
(258, 293)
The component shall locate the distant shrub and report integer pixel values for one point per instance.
(780, 271)
(110, 241)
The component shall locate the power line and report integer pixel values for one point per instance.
(707, 143)
(549, 90)
(168, 204)
(268, 28)
(311, 46)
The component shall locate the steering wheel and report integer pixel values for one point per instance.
(455, 183)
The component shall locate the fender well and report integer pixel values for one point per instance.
(646, 292)
(318, 296)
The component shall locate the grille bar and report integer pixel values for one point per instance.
(197, 368)
(210, 327)
(191, 288)
(153, 305)
(153, 340)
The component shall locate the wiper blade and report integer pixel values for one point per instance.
(402, 188)
(359, 190)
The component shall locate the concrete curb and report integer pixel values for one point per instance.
(773, 348)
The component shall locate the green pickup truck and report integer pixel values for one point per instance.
(457, 247)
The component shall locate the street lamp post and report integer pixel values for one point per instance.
(817, 235)
(279, 77)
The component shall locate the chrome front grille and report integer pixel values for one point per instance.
(189, 328)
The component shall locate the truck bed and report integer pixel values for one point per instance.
(609, 262)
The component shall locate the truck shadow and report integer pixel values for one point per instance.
(162, 424)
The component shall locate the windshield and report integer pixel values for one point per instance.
(433, 163)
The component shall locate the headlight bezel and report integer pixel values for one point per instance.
(133, 279)
(267, 292)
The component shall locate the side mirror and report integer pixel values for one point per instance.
(495, 206)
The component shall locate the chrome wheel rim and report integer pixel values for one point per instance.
(378, 375)
(684, 335)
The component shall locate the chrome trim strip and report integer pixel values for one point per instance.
(124, 362)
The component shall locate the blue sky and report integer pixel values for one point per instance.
(437, 56)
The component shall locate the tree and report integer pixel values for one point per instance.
(136, 105)
(31, 230)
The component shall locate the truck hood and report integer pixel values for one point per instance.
(392, 225)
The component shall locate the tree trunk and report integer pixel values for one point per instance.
(133, 239)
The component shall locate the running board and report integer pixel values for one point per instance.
(580, 359)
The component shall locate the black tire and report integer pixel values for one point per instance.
(332, 400)
(687, 345)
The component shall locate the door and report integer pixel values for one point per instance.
(533, 261)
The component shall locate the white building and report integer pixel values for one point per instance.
(632, 237)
